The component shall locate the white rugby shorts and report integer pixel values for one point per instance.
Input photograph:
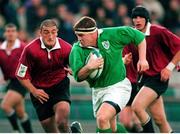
(118, 93)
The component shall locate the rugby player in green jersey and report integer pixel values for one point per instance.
(111, 91)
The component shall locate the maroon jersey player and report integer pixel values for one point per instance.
(163, 54)
(13, 101)
(42, 71)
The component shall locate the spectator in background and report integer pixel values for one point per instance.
(22, 18)
(42, 13)
(32, 16)
(66, 19)
(110, 8)
(13, 101)
(122, 13)
(51, 7)
(100, 17)
(127, 21)
(23, 36)
(2, 23)
(11, 11)
(89, 7)
(163, 53)
(84, 10)
(172, 16)
(155, 7)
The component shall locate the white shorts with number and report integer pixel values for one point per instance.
(118, 93)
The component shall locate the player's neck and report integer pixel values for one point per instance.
(96, 41)
(10, 44)
(49, 47)
(144, 29)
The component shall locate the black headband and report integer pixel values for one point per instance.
(85, 30)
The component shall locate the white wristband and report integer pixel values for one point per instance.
(170, 66)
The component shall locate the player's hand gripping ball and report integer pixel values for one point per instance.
(97, 72)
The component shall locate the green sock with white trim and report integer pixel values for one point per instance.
(109, 130)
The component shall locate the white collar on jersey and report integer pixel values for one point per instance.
(16, 45)
(57, 45)
(147, 33)
(99, 32)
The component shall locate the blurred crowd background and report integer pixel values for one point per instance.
(28, 14)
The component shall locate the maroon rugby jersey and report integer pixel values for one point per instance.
(10, 59)
(45, 68)
(131, 69)
(162, 45)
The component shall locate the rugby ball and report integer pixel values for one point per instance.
(97, 72)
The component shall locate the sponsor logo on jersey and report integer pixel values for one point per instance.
(106, 44)
(22, 70)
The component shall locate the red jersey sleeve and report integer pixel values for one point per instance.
(23, 69)
(171, 41)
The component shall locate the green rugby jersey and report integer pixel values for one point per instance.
(111, 42)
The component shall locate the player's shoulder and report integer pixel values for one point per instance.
(22, 44)
(77, 45)
(35, 41)
(33, 44)
(157, 28)
(121, 30)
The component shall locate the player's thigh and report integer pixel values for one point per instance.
(12, 98)
(116, 95)
(119, 93)
(145, 95)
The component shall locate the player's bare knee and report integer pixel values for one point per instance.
(102, 119)
(62, 110)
